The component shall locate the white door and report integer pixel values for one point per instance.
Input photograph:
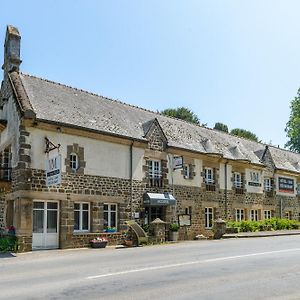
(45, 225)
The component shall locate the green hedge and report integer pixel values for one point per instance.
(269, 224)
(8, 243)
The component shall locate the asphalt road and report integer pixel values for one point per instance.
(257, 268)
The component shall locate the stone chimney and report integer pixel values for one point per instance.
(12, 50)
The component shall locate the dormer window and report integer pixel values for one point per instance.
(73, 161)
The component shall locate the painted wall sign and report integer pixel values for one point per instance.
(285, 185)
(53, 170)
(254, 183)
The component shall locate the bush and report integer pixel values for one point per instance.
(268, 224)
(8, 243)
(174, 227)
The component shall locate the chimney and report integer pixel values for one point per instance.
(12, 50)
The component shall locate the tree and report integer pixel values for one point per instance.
(221, 127)
(182, 113)
(244, 133)
(292, 128)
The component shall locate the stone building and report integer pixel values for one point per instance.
(75, 165)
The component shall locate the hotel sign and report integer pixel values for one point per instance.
(53, 170)
(285, 185)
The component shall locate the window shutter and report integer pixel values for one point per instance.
(191, 174)
(214, 175)
(273, 184)
(243, 180)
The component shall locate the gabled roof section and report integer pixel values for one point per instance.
(285, 160)
(210, 147)
(147, 126)
(21, 95)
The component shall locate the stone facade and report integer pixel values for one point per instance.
(2, 213)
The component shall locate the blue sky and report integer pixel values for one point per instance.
(236, 62)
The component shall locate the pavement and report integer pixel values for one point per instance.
(261, 234)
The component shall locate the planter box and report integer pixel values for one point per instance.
(99, 244)
(173, 236)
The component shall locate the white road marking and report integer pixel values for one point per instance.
(191, 263)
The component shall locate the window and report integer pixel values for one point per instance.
(81, 216)
(110, 215)
(186, 171)
(239, 214)
(5, 164)
(267, 214)
(209, 215)
(288, 215)
(73, 161)
(254, 176)
(154, 170)
(254, 215)
(188, 210)
(268, 184)
(209, 175)
(237, 180)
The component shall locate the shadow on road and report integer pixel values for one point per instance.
(7, 255)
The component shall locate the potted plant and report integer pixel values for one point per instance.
(110, 229)
(173, 232)
(98, 242)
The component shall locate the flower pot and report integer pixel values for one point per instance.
(173, 236)
(101, 244)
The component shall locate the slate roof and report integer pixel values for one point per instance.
(54, 102)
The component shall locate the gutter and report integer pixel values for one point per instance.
(131, 179)
(225, 191)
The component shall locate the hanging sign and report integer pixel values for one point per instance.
(177, 162)
(53, 170)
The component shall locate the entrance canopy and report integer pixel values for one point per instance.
(155, 199)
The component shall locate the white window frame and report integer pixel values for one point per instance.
(267, 214)
(109, 211)
(186, 171)
(81, 210)
(267, 184)
(209, 217)
(154, 169)
(239, 214)
(237, 180)
(209, 175)
(73, 161)
(253, 214)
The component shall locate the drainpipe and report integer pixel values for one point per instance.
(131, 180)
(225, 192)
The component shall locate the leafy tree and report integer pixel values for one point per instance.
(292, 128)
(182, 113)
(221, 126)
(244, 133)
